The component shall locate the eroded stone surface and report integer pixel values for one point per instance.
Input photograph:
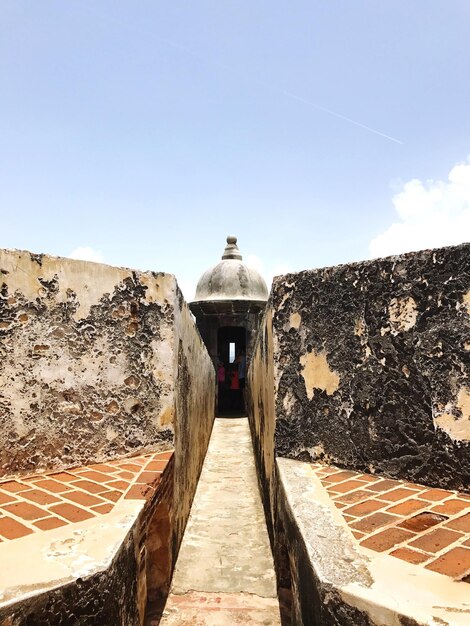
(89, 364)
(376, 375)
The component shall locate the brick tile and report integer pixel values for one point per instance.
(435, 494)
(349, 485)
(6, 497)
(136, 460)
(327, 470)
(13, 486)
(355, 496)
(467, 543)
(103, 508)
(436, 540)
(130, 466)
(88, 485)
(421, 522)
(62, 477)
(451, 507)
(348, 518)
(102, 467)
(340, 505)
(339, 476)
(368, 478)
(386, 539)
(71, 512)
(411, 556)
(364, 508)
(39, 496)
(460, 523)
(148, 477)
(407, 507)
(126, 475)
(111, 495)
(372, 522)
(138, 492)
(455, 563)
(115, 462)
(96, 476)
(85, 499)
(121, 485)
(11, 529)
(383, 485)
(169, 453)
(159, 466)
(25, 510)
(52, 485)
(50, 523)
(398, 494)
(357, 534)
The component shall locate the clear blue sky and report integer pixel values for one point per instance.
(148, 131)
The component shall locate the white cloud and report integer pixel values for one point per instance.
(188, 288)
(85, 253)
(267, 272)
(255, 263)
(431, 213)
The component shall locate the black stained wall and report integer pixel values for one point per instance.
(371, 366)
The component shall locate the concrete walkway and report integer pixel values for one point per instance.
(225, 573)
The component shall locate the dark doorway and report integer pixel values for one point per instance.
(231, 341)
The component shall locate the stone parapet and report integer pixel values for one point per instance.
(98, 364)
(338, 579)
(76, 546)
(371, 366)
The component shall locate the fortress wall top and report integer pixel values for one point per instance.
(89, 365)
(370, 367)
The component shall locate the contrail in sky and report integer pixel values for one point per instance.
(342, 117)
(272, 88)
(288, 94)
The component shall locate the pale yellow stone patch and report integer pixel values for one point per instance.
(463, 401)
(402, 313)
(167, 416)
(466, 301)
(458, 428)
(317, 374)
(288, 401)
(359, 328)
(90, 281)
(295, 320)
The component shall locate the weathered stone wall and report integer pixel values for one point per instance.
(194, 405)
(96, 363)
(371, 366)
(364, 366)
(89, 362)
(260, 401)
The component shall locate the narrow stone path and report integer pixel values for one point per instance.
(225, 572)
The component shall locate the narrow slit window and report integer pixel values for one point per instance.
(231, 352)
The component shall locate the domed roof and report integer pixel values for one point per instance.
(231, 279)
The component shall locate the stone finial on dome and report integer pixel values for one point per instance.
(231, 249)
